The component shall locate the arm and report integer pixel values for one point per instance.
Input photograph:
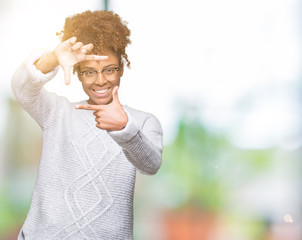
(142, 147)
(29, 79)
(140, 136)
(27, 85)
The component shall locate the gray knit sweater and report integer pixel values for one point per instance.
(86, 178)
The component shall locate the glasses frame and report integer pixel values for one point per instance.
(99, 71)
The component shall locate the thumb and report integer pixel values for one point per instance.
(114, 94)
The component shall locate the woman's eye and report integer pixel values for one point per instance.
(109, 70)
(89, 73)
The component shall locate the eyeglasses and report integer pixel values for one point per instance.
(109, 74)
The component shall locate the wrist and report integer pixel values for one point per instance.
(47, 62)
(53, 59)
(125, 121)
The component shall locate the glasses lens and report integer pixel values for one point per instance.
(109, 74)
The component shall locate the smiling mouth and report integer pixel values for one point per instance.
(102, 91)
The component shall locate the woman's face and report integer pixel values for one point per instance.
(100, 77)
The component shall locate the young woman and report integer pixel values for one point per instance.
(91, 149)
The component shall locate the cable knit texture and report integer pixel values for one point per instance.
(86, 178)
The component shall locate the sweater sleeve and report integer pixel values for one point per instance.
(28, 87)
(142, 146)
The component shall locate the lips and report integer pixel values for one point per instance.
(102, 91)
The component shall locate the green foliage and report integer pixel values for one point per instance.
(257, 159)
(192, 163)
(200, 167)
(10, 214)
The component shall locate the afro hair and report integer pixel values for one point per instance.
(104, 29)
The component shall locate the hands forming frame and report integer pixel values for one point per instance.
(110, 117)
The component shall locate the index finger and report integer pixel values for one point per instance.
(87, 107)
(95, 57)
(67, 75)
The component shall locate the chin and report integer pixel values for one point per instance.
(101, 101)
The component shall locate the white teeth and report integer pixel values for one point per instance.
(101, 91)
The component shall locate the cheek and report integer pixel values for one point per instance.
(85, 87)
(116, 83)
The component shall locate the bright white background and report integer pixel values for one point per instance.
(238, 61)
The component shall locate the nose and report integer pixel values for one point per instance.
(100, 80)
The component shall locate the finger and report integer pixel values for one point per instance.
(71, 40)
(95, 57)
(88, 107)
(67, 75)
(77, 46)
(97, 113)
(98, 120)
(87, 48)
(99, 126)
(115, 94)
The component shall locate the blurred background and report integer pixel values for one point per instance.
(224, 79)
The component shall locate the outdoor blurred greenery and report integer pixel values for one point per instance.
(21, 153)
(202, 175)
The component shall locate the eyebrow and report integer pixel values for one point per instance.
(93, 68)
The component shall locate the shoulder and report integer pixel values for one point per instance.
(145, 120)
(138, 114)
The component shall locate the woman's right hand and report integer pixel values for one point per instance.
(70, 52)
